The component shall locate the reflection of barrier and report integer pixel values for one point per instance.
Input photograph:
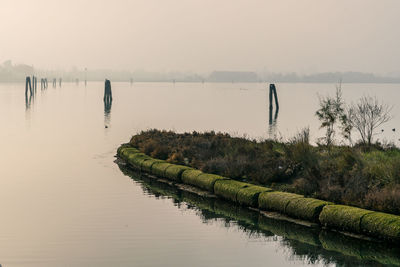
(339, 217)
(314, 243)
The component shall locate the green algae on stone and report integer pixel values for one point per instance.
(248, 196)
(174, 172)
(306, 208)
(228, 189)
(343, 217)
(276, 201)
(382, 225)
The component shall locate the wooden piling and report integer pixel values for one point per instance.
(59, 82)
(273, 94)
(107, 91)
(28, 83)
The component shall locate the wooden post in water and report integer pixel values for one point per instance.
(28, 83)
(107, 92)
(54, 82)
(59, 82)
(272, 93)
(46, 84)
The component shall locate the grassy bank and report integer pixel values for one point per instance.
(348, 175)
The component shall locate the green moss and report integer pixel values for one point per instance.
(306, 208)
(174, 172)
(342, 217)
(122, 147)
(189, 176)
(228, 189)
(248, 196)
(276, 201)
(136, 159)
(147, 164)
(200, 179)
(126, 151)
(206, 181)
(381, 225)
(158, 168)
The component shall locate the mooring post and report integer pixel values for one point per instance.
(28, 83)
(59, 82)
(107, 91)
(272, 86)
(46, 84)
(35, 83)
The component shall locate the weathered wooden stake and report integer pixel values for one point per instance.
(272, 93)
(107, 91)
(59, 82)
(54, 82)
(28, 83)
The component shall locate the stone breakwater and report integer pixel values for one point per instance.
(338, 217)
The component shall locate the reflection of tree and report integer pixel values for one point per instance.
(311, 245)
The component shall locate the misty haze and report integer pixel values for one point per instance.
(200, 133)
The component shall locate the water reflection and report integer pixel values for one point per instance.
(272, 124)
(28, 101)
(311, 245)
(107, 112)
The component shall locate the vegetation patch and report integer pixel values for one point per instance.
(174, 172)
(366, 176)
(381, 225)
(190, 176)
(206, 181)
(136, 159)
(147, 164)
(342, 217)
(306, 208)
(159, 168)
(228, 189)
(276, 201)
(248, 196)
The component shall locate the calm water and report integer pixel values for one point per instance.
(64, 202)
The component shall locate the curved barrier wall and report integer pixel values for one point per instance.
(327, 214)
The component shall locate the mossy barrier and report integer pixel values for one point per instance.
(253, 222)
(159, 168)
(201, 180)
(276, 201)
(339, 217)
(174, 172)
(343, 217)
(147, 164)
(248, 196)
(306, 208)
(381, 224)
(228, 189)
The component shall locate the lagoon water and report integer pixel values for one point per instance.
(64, 202)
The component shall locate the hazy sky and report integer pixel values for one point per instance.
(203, 35)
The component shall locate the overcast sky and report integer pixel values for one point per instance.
(203, 35)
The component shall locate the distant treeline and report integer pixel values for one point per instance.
(17, 73)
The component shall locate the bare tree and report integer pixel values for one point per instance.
(367, 115)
